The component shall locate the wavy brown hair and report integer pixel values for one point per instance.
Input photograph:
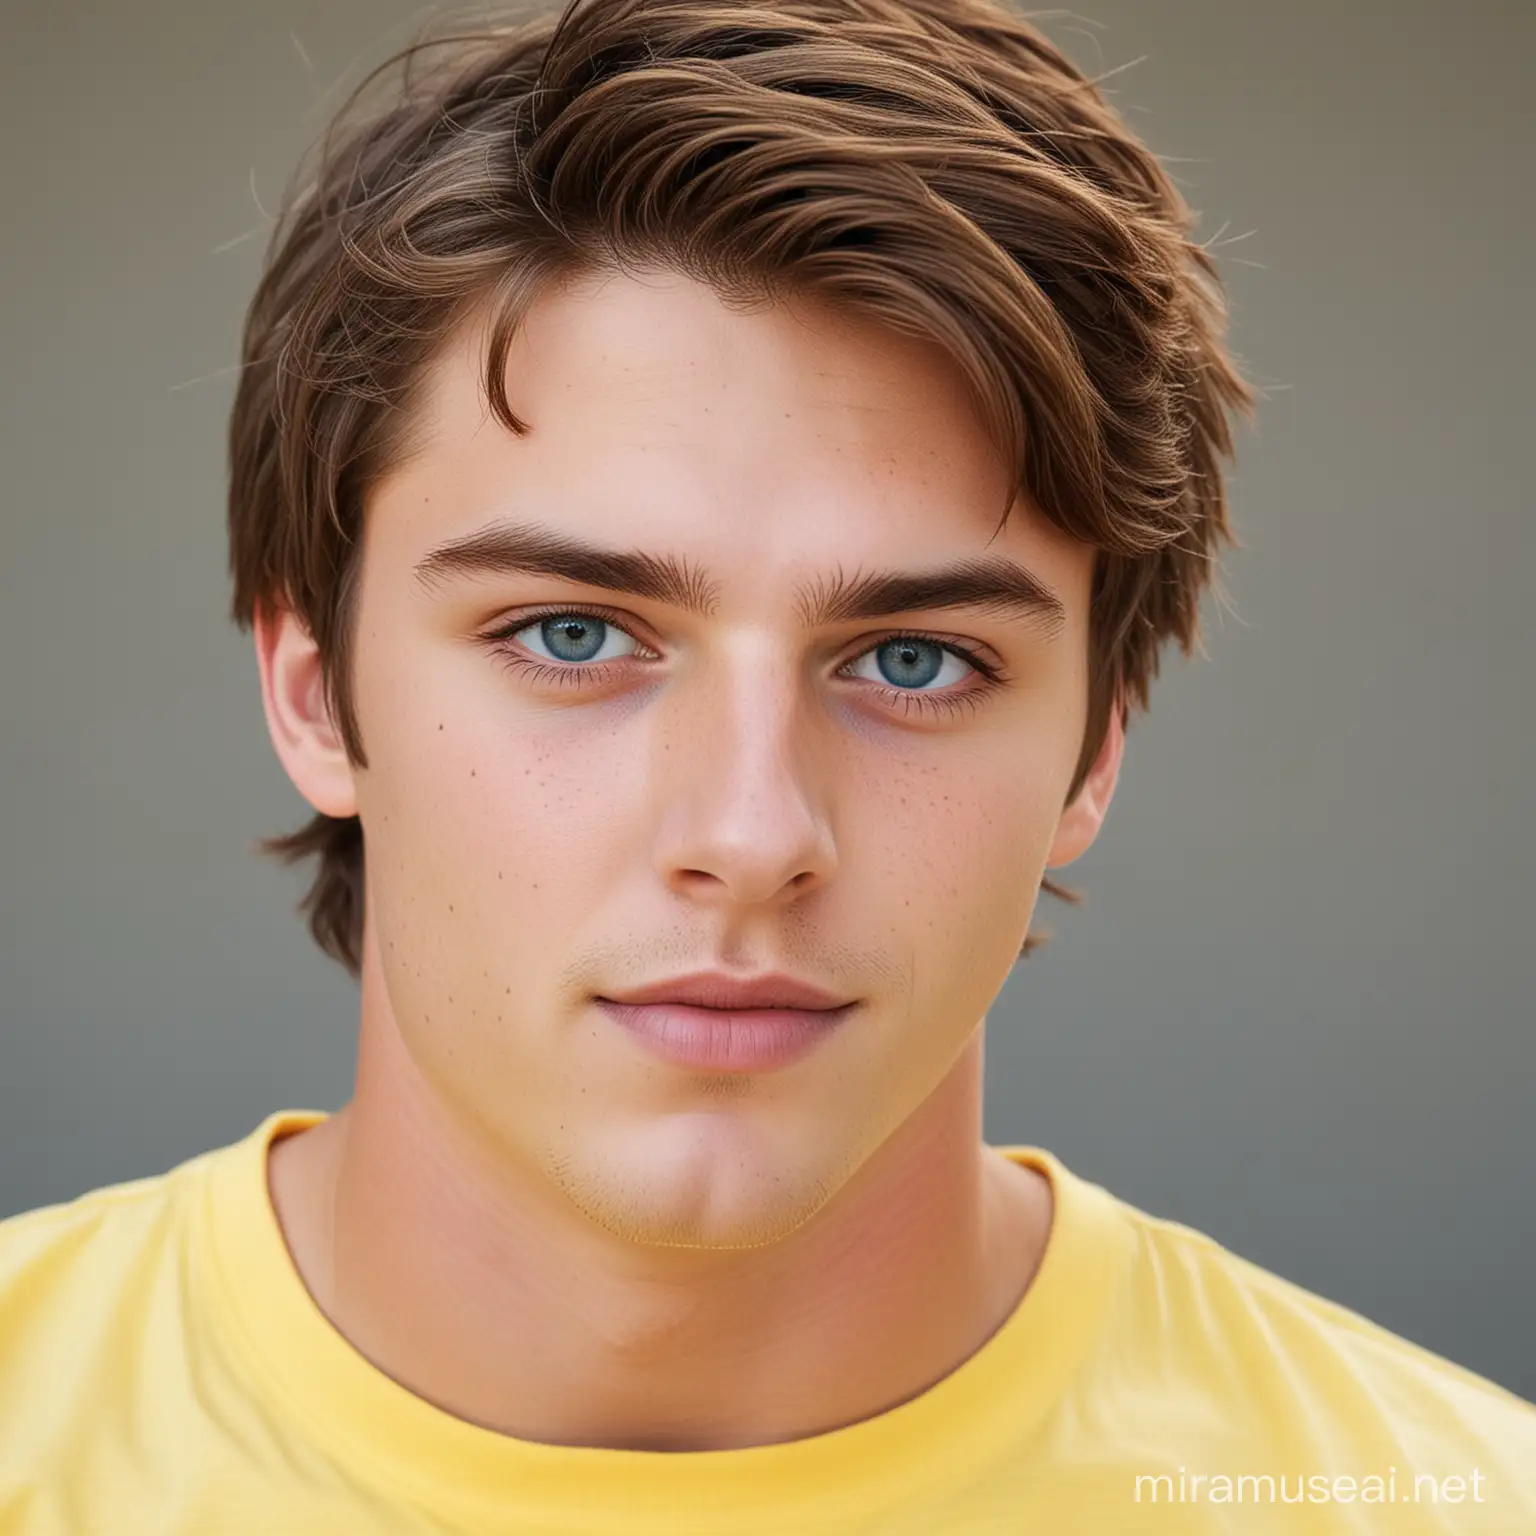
(937, 166)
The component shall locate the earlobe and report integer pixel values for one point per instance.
(1080, 822)
(298, 719)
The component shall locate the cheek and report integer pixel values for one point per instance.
(473, 778)
(500, 822)
(489, 853)
(496, 832)
(962, 838)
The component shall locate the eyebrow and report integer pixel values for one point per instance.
(988, 584)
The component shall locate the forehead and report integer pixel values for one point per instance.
(785, 439)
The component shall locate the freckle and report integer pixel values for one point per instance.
(450, 906)
(471, 773)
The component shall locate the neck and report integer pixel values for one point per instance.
(479, 1290)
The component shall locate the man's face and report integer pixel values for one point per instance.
(574, 791)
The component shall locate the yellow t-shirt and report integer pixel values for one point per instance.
(163, 1370)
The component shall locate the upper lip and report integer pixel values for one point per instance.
(713, 989)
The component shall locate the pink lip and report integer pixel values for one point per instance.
(726, 1040)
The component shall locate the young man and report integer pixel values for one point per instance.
(708, 485)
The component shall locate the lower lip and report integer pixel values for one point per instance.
(723, 1040)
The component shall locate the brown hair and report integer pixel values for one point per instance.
(935, 165)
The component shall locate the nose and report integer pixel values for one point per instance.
(744, 789)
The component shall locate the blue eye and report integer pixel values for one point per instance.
(574, 637)
(578, 652)
(911, 661)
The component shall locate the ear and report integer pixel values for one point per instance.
(1080, 822)
(293, 696)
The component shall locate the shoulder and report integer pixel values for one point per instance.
(83, 1284)
(1308, 1372)
(40, 1247)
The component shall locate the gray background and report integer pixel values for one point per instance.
(1296, 1011)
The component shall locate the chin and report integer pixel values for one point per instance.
(692, 1181)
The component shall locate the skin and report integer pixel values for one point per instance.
(521, 1215)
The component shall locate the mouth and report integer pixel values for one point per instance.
(726, 1039)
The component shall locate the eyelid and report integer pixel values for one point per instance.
(989, 677)
(980, 655)
(525, 618)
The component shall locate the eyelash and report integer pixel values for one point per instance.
(579, 675)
